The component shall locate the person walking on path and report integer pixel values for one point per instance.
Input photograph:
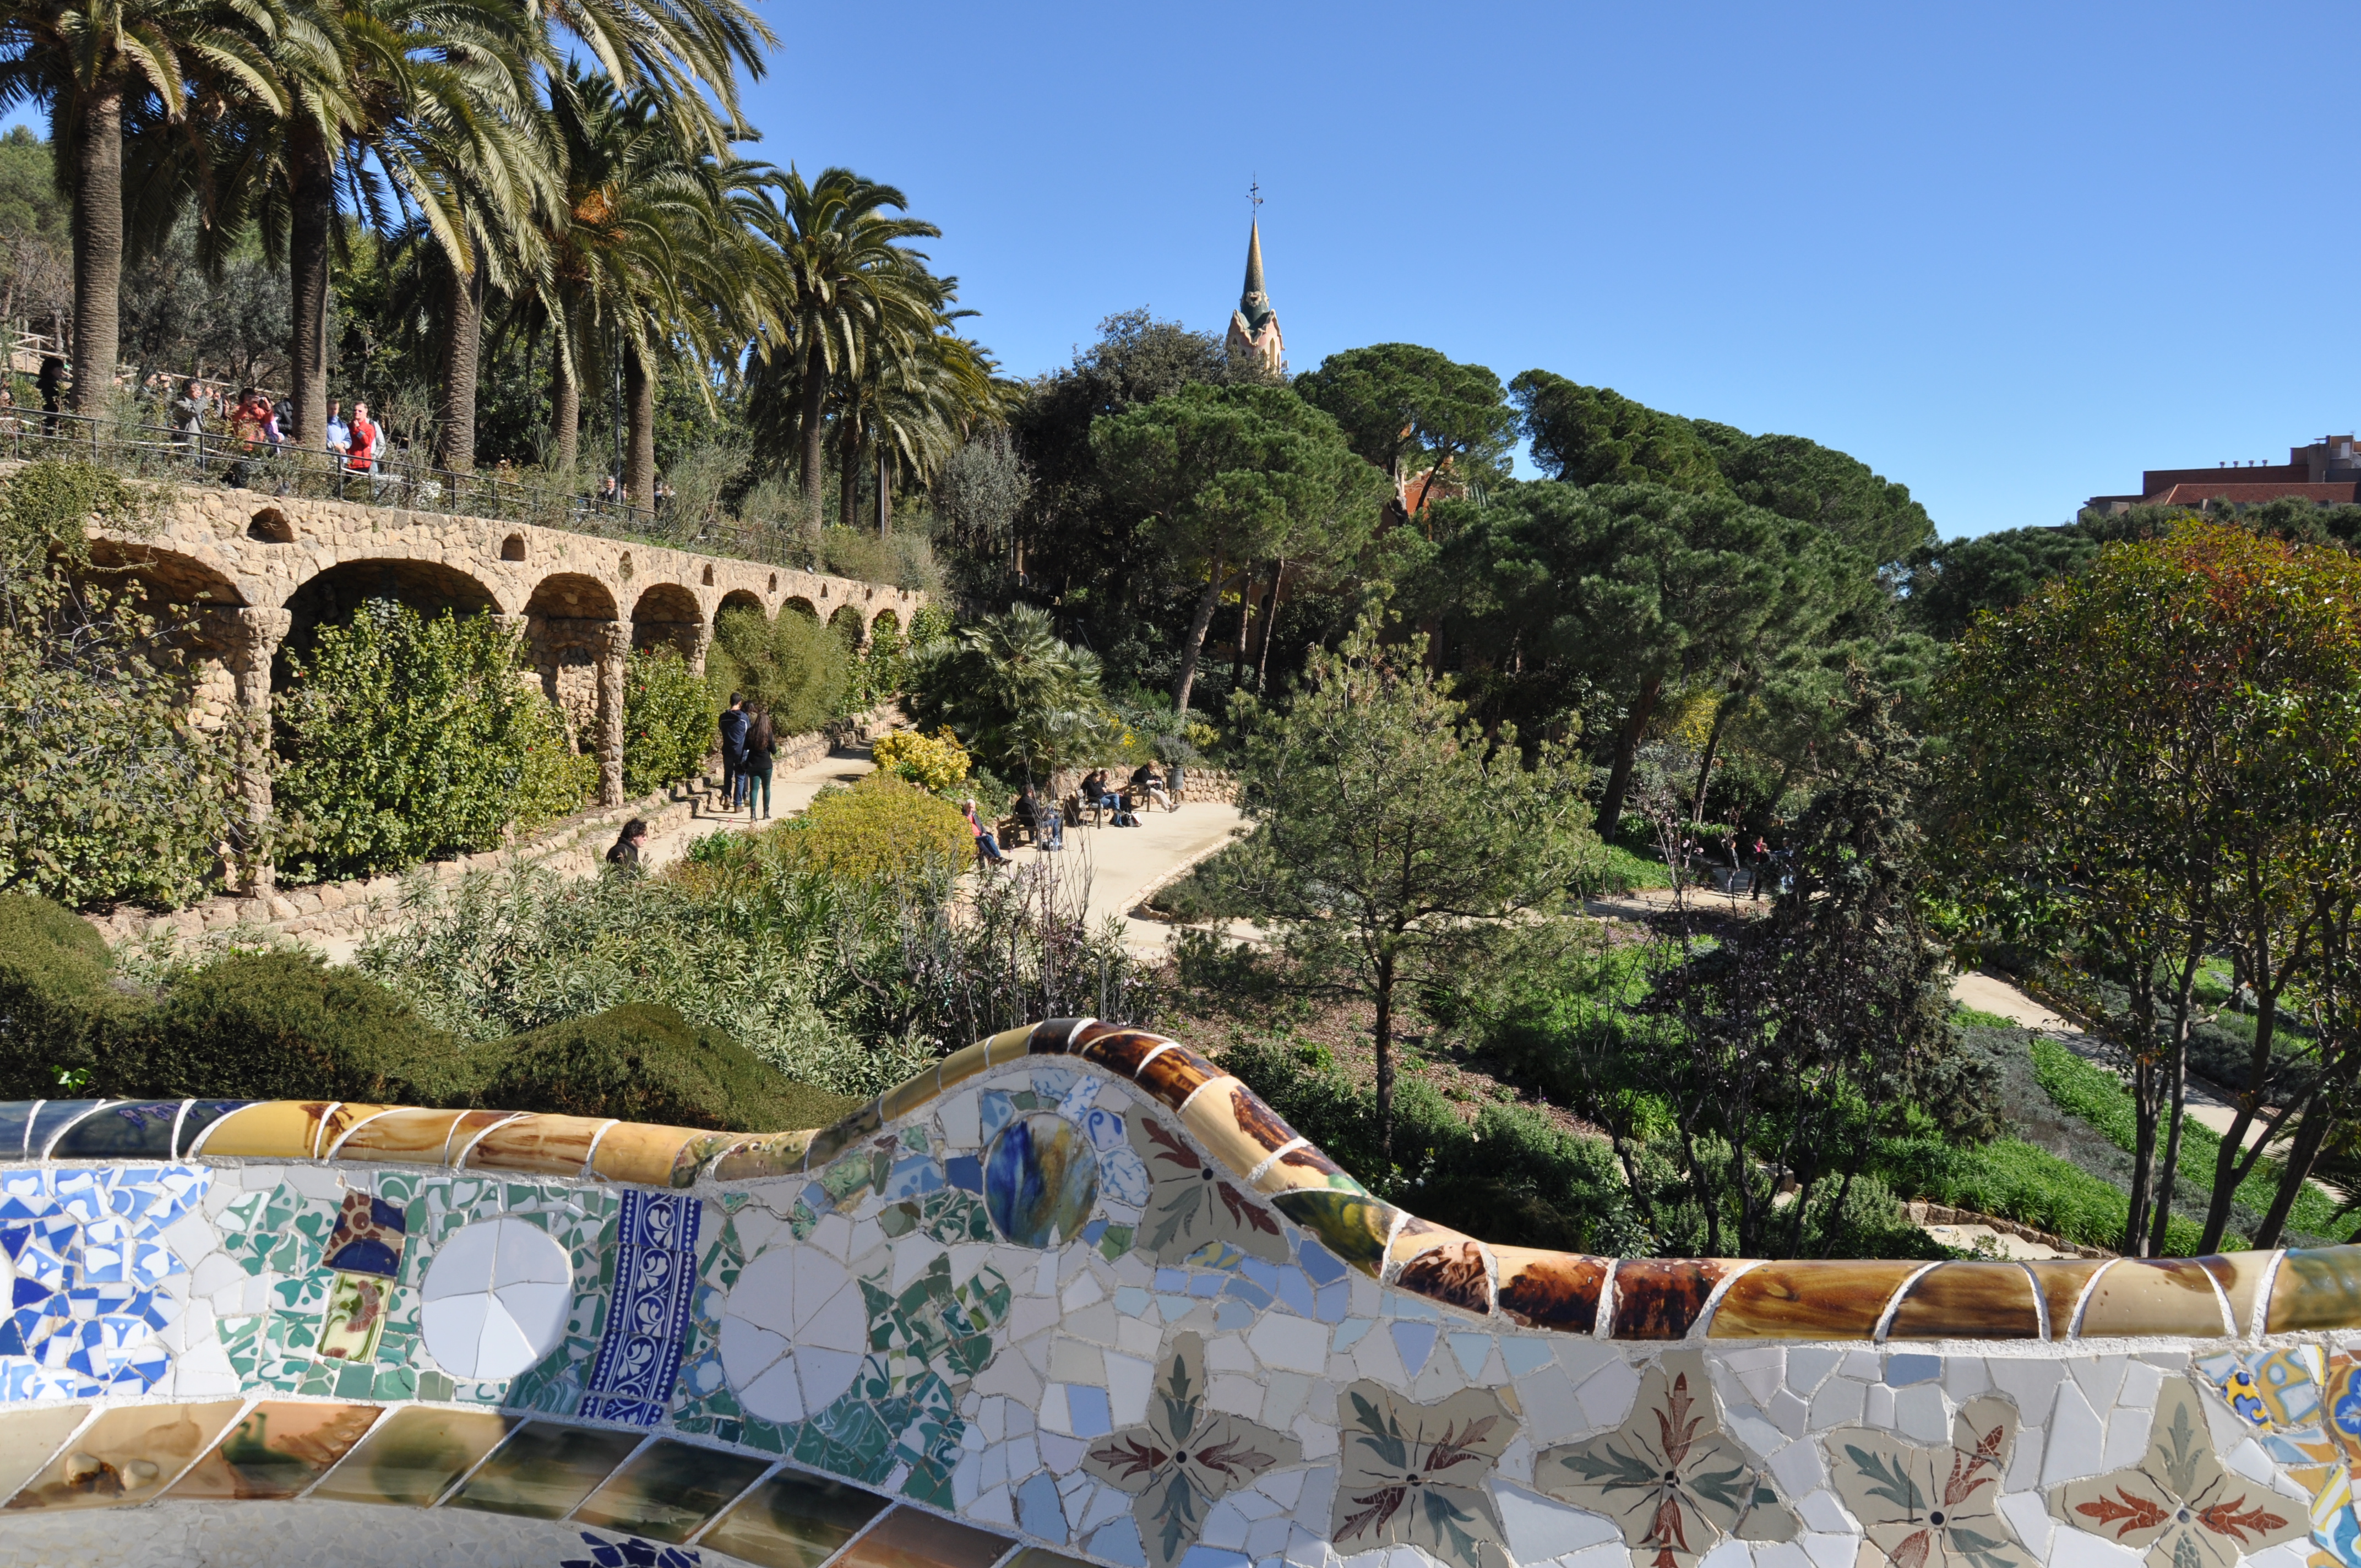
(625, 855)
(1762, 859)
(52, 382)
(987, 847)
(733, 748)
(756, 768)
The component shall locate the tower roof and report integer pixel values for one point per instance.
(1253, 302)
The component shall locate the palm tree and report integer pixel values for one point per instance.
(909, 410)
(96, 64)
(845, 279)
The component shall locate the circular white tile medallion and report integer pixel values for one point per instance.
(495, 1299)
(793, 1329)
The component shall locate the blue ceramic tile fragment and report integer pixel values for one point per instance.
(1247, 1290)
(1295, 1292)
(1088, 1411)
(16, 1115)
(965, 1172)
(1416, 1342)
(1471, 1351)
(1205, 1285)
(1234, 1317)
(1904, 1370)
(1214, 1557)
(1040, 1513)
(1172, 1280)
(132, 1129)
(1318, 1262)
(1119, 1543)
(1523, 1355)
(1333, 1302)
(54, 1117)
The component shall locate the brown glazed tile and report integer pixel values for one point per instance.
(1808, 1299)
(2241, 1276)
(959, 1067)
(1054, 1036)
(1089, 1035)
(551, 1145)
(757, 1159)
(127, 1455)
(1660, 1297)
(2316, 1287)
(471, 1126)
(646, 1154)
(1121, 1051)
(2154, 1296)
(2061, 1281)
(1008, 1045)
(1234, 1126)
(280, 1448)
(908, 1095)
(1454, 1271)
(408, 1137)
(343, 1120)
(1973, 1299)
(275, 1129)
(1306, 1166)
(1173, 1076)
(1550, 1289)
(834, 1140)
(28, 1438)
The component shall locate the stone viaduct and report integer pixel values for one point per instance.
(253, 572)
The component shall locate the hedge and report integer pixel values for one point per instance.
(281, 1024)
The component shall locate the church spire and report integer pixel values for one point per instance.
(1253, 325)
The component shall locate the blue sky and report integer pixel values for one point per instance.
(2009, 255)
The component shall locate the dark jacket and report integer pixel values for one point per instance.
(758, 745)
(733, 734)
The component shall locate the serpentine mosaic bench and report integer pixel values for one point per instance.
(1074, 1294)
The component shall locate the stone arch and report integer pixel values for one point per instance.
(885, 623)
(429, 587)
(802, 606)
(665, 615)
(165, 577)
(270, 526)
(847, 624)
(708, 576)
(740, 598)
(512, 547)
(573, 596)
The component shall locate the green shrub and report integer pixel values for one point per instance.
(2017, 1182)
(644, 1063)
(112, 793)
(283, 1026)
(882, 826)
(556, 781)
(794, 668)
(402, 738)
(668, 721)
(57, 1008)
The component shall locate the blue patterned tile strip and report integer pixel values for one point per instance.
(655, 1279)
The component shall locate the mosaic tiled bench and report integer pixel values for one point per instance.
(1074, 1294)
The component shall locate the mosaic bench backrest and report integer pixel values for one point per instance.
(1072, 1294)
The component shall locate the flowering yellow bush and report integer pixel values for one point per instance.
(936, 762)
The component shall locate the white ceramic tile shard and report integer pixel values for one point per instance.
(495, 1299)
(794, 1329)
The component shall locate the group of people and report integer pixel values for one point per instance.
(1764, 865)
(1046, 820)
(256, 425)
(750, 744)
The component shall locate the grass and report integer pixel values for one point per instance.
(2012, 1179)
(1976, 1018)
(1612, 868)
(2086, 1089)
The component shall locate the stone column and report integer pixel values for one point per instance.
(248, 640)
(613, 645)
(700, 638)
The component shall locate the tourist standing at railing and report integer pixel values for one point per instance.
(360, 454)
(51, 381)
(189, 418)
(340, 434)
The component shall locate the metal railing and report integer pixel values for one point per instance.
(398, 479)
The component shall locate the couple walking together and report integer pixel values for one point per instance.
(749, 745)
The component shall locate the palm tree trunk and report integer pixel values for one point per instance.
(848, 475)
(884, 497)
(454, 436)
(98, 246)
(814, 395)
(310, 177)
(639, 409)
(564, 398)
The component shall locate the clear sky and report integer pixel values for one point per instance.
(2009, 255)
